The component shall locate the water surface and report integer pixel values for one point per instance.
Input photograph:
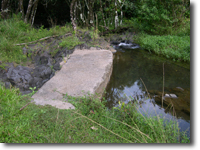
(130, 66)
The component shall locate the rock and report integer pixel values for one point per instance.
(87, 37)
(179, 88)
(36, 60)
(114, 42)
(37, 82)
(173, 96)
(44, 59)
(42, 71)
(8, 85)
(56, 66)
(20, 77)
(167, 95)
(82, 46)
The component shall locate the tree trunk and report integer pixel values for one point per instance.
(4, 8)
(121, 5)
(91, 18)
(34, 10)
(72, 14)
(116, 16)
(30, 4)
(121, 16)
(21, 6)
(102, 14)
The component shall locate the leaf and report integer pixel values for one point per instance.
(123, 105)
(119, 103)
(94, 128)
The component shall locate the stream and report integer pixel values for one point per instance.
(133, 65)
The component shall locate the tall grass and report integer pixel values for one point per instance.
(90, 122)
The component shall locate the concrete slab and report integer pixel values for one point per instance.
(85, 71)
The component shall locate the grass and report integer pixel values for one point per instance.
(70, 42)
(15, 31)
(173, 47)
(90, 122)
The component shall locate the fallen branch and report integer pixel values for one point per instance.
(24, 106)
(40, 39)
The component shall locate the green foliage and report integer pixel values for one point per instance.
(161, 17)
(15, 31)
(173, 47)
(90, 122)
(70, 42)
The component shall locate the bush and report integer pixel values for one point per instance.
(161, 17)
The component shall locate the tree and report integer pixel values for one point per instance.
(5, 8)
(31, 11)
(72, 14)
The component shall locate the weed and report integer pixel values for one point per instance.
(33, 90)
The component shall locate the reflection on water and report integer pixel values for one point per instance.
(125, 84)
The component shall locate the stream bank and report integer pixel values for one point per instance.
(44, 60)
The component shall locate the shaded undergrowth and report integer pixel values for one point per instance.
(15, 31)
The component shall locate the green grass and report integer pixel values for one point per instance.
(15, 31)
(171, 46)
(70, 42)
(175, 45)
(90, 122)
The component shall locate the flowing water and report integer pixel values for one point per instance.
(131, 66)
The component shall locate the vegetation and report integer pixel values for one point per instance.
(173, 47)
(70, 42)
(90, 122)
(162, 17)
(162, 27)
(15, 31)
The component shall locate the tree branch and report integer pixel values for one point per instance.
(40, 39)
